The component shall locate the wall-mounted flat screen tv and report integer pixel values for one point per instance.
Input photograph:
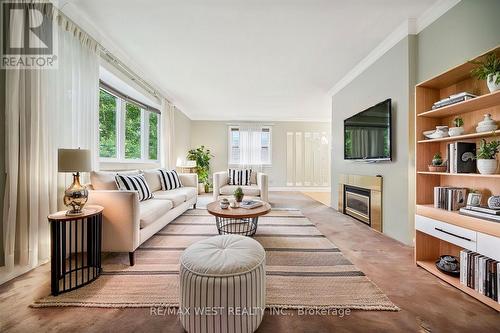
(367, 135)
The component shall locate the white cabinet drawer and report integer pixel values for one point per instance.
(448, 232)
(488, 245)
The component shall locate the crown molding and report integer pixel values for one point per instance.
(410, 26)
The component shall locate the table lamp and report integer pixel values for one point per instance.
(74, 161)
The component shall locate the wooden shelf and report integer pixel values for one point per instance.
(455, 282)
(478, 175)
(480, 102)
(464, 221)
(462, 137)
(455, 80)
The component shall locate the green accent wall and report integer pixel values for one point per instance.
(468, 29)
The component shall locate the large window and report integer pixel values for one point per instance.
(249, 145)
(127, 131)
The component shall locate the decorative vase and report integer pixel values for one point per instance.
(201, 187)
(487, 125)
(224, 203)
(456, 131)
(492, 86)
(487, 167)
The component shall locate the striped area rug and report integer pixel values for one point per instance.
(304, 269)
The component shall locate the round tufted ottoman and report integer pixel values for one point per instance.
(223, 285)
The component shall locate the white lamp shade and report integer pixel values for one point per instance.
(73, 160)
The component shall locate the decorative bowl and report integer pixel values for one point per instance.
(439, 132)
(448, 265)
(437, 168)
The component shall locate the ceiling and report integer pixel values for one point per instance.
(247, 59)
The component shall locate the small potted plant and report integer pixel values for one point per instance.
(486, 161)
(488, 70)
(459, 127)
(437, 164)
(238, 194)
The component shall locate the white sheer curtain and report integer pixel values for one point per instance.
(250, 147)
(45, 109)
(167, 155)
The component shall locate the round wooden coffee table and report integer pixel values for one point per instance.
(238, 221)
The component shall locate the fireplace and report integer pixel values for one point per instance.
(361, 198)
(357, 203)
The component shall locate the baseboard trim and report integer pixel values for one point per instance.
(300, 189)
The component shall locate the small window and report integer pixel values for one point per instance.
(249, 146)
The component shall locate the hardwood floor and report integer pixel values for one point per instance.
(427, 303)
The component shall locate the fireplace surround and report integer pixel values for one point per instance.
(361, 198)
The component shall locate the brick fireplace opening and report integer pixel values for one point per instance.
(361, 198)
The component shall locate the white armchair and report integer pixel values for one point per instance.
(258, 187)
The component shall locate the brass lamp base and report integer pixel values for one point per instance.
(75, 196)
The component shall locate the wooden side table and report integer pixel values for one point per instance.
(75, 249)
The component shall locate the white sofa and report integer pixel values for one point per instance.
(258, 187)
(127, 223)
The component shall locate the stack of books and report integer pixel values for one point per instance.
(480, 273)
(481, 212)
(449, 198)
(249, 204)
(456, 98)
(461, 157)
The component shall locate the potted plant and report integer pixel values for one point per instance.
(488, 70)
(238, 194)
(202, 156)
(486, 161)
(459, 127)
(437, 164)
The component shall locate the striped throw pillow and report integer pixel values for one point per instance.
(239, 177)
(169, 180)
(134, 183)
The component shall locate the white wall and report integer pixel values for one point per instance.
(182, 136)
(388, 77)
(214, 135)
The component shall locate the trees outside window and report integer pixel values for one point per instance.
(126, 131)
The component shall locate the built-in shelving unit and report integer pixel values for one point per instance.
(429, 243)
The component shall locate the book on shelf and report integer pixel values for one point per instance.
(461, 157)
(249, 204)
(449, 198)
(480, 273)
(456, 98)
(484, 209)
(481, 215)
